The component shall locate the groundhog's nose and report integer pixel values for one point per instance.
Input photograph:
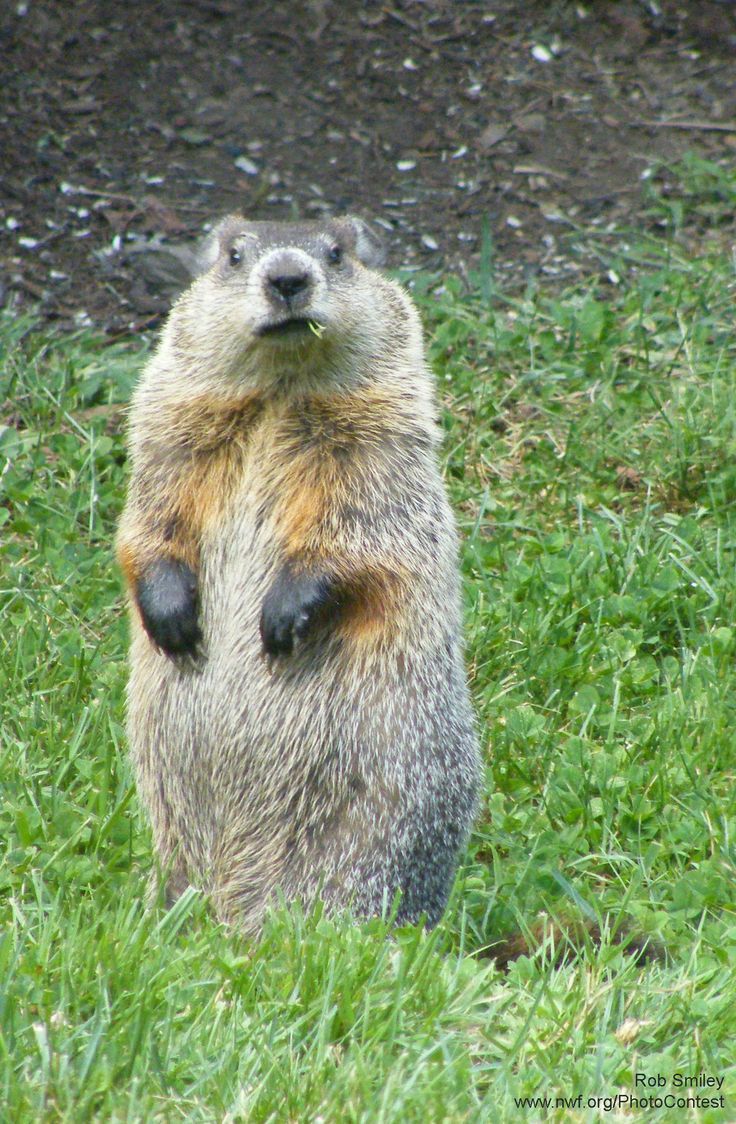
(288, 283)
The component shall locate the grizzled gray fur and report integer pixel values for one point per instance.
(298, 709)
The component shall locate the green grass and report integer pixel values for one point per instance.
(591, 441)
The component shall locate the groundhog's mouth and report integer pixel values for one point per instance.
(294, 326)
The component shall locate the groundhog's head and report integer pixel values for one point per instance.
(285, 302)
(291, 280)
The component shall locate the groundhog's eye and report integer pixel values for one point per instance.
(234, 257)
(334, 254)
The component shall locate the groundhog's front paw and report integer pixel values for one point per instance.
(295, 603)
(168, 602)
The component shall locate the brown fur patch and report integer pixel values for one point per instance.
(323, 512)
(325, 447)
(128, 562)
(373, 607)
(205, 491)
(364, 416)
(185, 479)
(205, 423)
(300, 516)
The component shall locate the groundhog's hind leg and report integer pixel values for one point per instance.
(415, 862)
(373, 891)
(169, 877)
(426, 873)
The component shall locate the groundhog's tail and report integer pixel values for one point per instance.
(560, 942)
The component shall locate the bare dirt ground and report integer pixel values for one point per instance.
(125, 123)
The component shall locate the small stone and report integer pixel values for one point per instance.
(491, 135)
(194, 137)
(243, 164)
(630, 1029)
(541, 53)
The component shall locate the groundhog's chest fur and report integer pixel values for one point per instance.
(298, 709)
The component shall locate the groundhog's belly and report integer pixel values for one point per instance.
(267, 769)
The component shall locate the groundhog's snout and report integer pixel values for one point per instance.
(289, 285)
(288, 280)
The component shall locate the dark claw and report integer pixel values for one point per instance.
(295, 603)
(168, 602)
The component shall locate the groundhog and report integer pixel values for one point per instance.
(298, 710)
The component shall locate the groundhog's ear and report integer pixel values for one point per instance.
(212, 245)
(368, 247)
